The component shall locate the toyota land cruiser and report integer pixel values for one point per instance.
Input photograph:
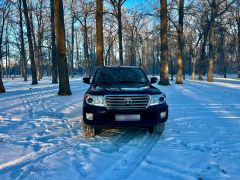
(123, 96)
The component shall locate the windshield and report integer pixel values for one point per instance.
(120, 75)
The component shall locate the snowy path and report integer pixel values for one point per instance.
(40, 136)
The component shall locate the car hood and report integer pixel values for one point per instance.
(122, 89)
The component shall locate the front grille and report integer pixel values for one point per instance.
(126, 102)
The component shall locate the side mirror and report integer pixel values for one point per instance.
(86, 80)
(153, 80)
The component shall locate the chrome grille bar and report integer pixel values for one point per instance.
(123, 102)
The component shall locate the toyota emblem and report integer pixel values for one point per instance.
(128, 101)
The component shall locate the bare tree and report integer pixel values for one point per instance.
(83, 18)
(179, 78)
(211, 41)
(117, 5)
(222, 53)
(237, 18)
(4, 14)
(73, 19)
(30, 44)
(39, 17)
(217, 9)
(64, 87)
(134, 24)
(238, 56)
(23, 54)
(99, 33)
(164, 80)
(7, 55)
(110, 39)
(53, 43)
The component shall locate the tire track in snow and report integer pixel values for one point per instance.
(31, 90)
(116, 143)
(57, 128)
(47, 111)
(114, 146)
(28, 92)
(73, 124)
(126, 165)
(39, 101)
(45, 152)
(35, 107)
(35, 96)
(35, 156)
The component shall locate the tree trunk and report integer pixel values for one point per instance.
(211, 41)
(6, 58)
(179, 78)
(77, 50)
(202, 57)
(238, 54)
(193, 54)
(49, 67)
(54, 56)
(202, 60)
(157, 67)
(35, 48)
(225, 70)
(92, 51)
(189, 60)
(164, 80)
(39, 59)
(120, 35)
(31, 52)
(108, 53)
(222, 53)
(211, 54)
(64, 87)
(171, 62)
(2, 89)
(23, 54)
(153, 60)
(85, 47)
(7, 53)
(72, 47)
(132, 47)
(99, 33)
(39, 42)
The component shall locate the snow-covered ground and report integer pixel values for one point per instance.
(40, 136)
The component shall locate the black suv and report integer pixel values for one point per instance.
(123, 96)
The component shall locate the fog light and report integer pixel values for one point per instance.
(163, 114)
(89, 116)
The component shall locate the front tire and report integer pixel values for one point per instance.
(157, 129)
(88, 130)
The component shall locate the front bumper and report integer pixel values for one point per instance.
(104, 117)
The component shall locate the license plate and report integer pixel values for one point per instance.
(127, 117)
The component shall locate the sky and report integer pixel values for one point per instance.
(133, 3)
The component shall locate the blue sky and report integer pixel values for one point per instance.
(133, 3)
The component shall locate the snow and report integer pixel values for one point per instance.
(40, 135)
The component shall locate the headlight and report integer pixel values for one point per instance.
(157, 99)
(94, 100)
